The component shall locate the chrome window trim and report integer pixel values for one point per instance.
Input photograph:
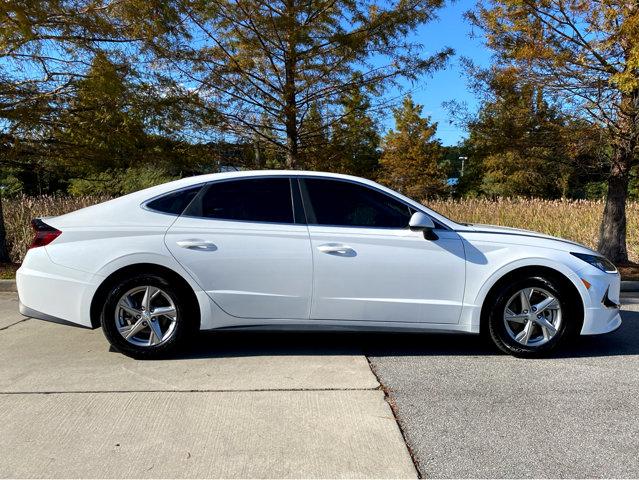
(290, 177)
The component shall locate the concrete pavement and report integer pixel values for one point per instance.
(9, 314)
(335, 434)
(237, 405)
(38, 356)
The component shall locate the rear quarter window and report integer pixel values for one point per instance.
(174, 203)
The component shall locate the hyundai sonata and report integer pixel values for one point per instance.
(306, 250)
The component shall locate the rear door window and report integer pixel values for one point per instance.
(249, 200)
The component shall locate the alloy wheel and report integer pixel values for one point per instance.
(146, 316)
(532, 316)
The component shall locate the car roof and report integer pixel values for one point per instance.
(269, 173)
(139, 198)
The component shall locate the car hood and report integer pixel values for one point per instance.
(519, 232)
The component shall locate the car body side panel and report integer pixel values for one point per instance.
(90, 248)
(66, 292)
(391, 275)
(250, 270)
(55, 290)
(62, 278)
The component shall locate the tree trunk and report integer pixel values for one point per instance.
(291, 145)
(612, 233)
(4, 252)
(290, 113)
(259, 161)
(290, 100)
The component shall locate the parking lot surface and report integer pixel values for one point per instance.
(241, 404)
(235, 405)
(468, 412)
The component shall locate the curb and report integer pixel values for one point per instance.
(8, 286)
(626, 286)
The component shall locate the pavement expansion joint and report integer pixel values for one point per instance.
(393, 408)
(266, 390)
(19, 321)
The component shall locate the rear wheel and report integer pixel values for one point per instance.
(532, 317)
(146, 317)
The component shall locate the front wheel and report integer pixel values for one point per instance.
(531, 317)
(145, 317)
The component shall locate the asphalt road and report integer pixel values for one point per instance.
(468, 412)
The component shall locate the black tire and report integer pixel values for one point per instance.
(497, 330)
(184, 325)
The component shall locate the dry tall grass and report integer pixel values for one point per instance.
(575, 220)
(18, 213)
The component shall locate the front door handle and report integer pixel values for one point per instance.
(337, 249)
(197, 244)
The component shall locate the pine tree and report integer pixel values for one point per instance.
(355, 141)
(315, 142)
(272, 61)
(101, 127)
(411, 153)
(517, 136)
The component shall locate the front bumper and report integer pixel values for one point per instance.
(601, 312)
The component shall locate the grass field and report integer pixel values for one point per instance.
(575, 220)
(18, 213)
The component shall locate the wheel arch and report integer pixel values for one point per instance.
(539, 270)
(103, 289)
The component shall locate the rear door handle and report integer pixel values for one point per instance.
(337, 249)
(197, 244)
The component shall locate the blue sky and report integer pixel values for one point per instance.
(450, 30)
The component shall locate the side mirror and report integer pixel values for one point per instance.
(421, 222)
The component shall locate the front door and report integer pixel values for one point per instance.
(369, 266)
(240, 242)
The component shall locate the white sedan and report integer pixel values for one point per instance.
(306, 250)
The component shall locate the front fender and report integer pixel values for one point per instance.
(481, 280)
(481, 295)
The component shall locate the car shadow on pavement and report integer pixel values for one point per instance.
(219, 344)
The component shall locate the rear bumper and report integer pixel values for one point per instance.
(52, 292)
(31, 313)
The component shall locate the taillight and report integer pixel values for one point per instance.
(44, 234)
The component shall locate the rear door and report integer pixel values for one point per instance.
(243, 243)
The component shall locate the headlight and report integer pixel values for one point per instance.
(602, 263)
